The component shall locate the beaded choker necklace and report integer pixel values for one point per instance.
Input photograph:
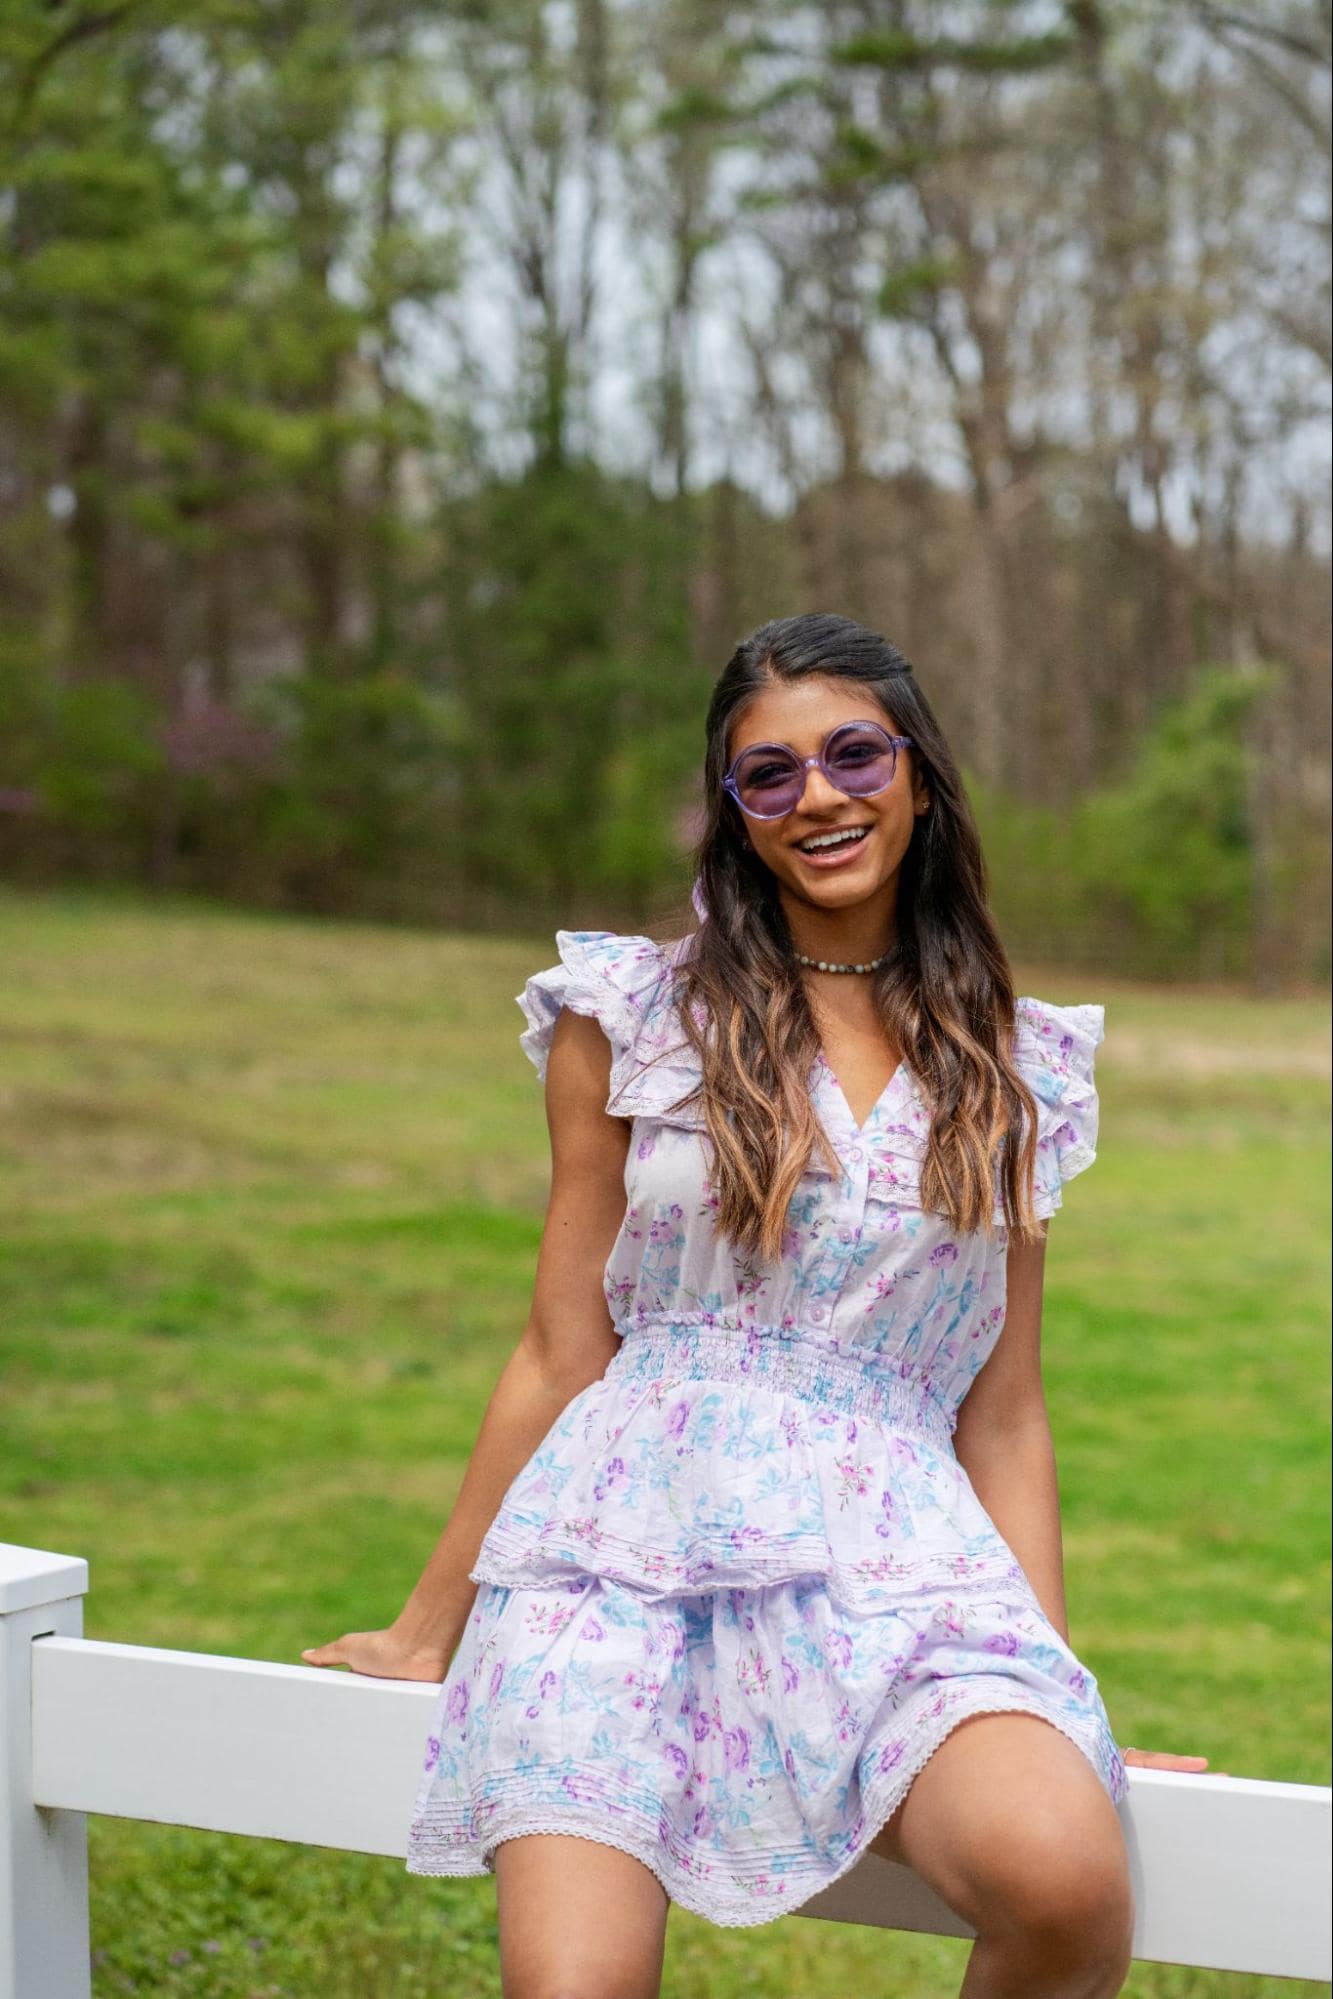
(824, 965)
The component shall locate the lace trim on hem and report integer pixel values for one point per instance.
(435, 1847)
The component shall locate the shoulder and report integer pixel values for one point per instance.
(1054, 1046)
(622, 979)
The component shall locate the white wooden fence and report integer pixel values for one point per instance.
(1228, 1872)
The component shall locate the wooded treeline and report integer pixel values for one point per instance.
(404, 409)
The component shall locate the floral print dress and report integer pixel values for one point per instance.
(743, 1587)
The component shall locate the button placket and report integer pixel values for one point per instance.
(829, 1277)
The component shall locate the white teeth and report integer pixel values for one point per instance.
(830, 839)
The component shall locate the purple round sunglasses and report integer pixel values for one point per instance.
(767, 780)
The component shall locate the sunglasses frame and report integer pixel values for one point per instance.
(804, 764)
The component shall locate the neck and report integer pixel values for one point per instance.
(844, 936)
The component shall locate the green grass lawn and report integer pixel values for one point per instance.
(273, 1192)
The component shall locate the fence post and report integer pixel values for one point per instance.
(44, 1950)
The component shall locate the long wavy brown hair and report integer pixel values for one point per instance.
(945, 994)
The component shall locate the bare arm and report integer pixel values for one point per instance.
(1003, 1442)
(1003, 1437)
(566, 1343)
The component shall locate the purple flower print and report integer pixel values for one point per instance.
(789, 1765)
(704, 1823)
(944, 1252)
(677, 1419)
(675, 1642)
(590, 1628)
(679, 1761)
(613, 1476)
(708, 1722)
(791, 1678)
(432, 1752)
(455, 1707)
(753, 1673)
(1004, 1642)
(543, 1621)
(838, 1648)
(497, 1676)
(855, 1479)
(743, 1537)
(891, 1756)
(646, 1690)
(580, 1789)
(736, 1748)
(545, 1687)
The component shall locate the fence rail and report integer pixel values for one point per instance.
(1230, 1873)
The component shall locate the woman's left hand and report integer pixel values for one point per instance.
(1160, 1759)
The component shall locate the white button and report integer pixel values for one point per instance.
(819, 1313)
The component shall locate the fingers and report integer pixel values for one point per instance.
(324, 1655)
(1156, 1759)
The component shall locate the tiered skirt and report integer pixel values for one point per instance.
(725, 1613)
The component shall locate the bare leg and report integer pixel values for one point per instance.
(578, 1920)
(1010, 1825)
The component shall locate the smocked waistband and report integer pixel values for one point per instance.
(836, 1374)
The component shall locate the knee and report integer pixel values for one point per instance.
(559, 1987)
(581, 1982)
(1067, 1898)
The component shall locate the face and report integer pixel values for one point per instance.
(862, 875)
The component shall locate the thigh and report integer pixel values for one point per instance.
(576, 1916)
(1008, 1820)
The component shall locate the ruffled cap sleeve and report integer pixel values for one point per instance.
(617, 979)
(1054, 1048)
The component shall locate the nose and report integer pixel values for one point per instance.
(824, 794)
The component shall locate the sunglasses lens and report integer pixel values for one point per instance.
(860, 759)
(769, 783)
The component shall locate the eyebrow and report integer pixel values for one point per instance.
(772, 743)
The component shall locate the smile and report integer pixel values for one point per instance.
(842, 836)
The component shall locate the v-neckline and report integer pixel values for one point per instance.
(859, 1130)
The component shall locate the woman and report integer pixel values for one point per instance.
(757, 1561)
